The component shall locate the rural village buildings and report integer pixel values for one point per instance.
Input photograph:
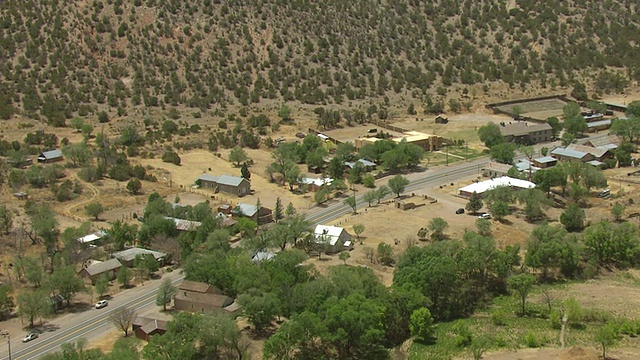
(523, 132)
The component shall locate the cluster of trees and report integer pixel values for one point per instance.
(306, 62)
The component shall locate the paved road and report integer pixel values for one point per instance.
(88, 324)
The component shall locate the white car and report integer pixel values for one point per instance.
(30, 337)
(484, 216)
(102, 303)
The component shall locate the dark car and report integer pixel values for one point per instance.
(460, 211)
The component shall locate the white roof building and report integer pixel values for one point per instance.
(92, 237)
(483, 186)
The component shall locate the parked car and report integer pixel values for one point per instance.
(484, 216)
(102, 303)
(29, 337)
(460, 211)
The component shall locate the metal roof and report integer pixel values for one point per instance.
(568, 153)
(481, 187)
(130, 254)
(545, 159)
(103, 267)
(331, 232)
(51, 154)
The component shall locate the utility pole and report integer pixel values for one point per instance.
(6, 335)
(355, 200)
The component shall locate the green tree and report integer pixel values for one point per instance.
(171, 156)
(385, 254)
(370, 196)
(499, 209)
(573, 218)
(421, 325)
(335, 168)
(77, 123)
(475, 203)
(358, 229)
(613, 244)
(260, 309)
(79, 154)
(65, 282)
(608, 336)
(94, 210)
(437, 226)
(344, 256)
(237, 155)
(285, 114)
(124, 276)
(617, 211)
(34, 304)
(351, 202)
(490, 135)
(521, 284)
(102, 284)
(382, 192)
(398, 184)
(503, 152)
(574, 123)
(244, 172)
(6, 220)
(321, 195)
(278, 211)
(134, 186)
(166, 291)
(6, 302)
(484, 227)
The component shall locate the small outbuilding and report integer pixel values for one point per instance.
(50, 156)
(100, 268)
(261, 216)
(200, 297)
(127, 257)
(144, 328)
(442, 119)
(332, 239)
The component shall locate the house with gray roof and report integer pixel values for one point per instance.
(595, 126)
(544, 162)
(262, 216)
(566, 154)
(128, 256)
(225, 183)
(200, 297)
(598, 153)
(609, 141)
(99, 268)
(368, 165)
(50, 156)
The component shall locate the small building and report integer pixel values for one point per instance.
(598, 125)
(332, 239)
(92, 239)
(565, 154)
(264, 216)
(144, 328)
(315, 184)
(484, 186)
(592, 116)
(261, 256)
(99, 268)
(225, 220)
(368, 165)
(225, 183)
(200, 297)
(50, 156)
(526, 133)
(184, 225)
(127, 257)
(442, 119)
(21, 195)
(545, 162)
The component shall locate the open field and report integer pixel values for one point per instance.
(536, 109)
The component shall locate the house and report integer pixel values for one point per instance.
(495, 169)
(526, 166)
(368, 165)
(50, 156)
(598, 153)
(225, 183)
(92, 239)
(99, 268)
(264, 216)
(484, 186)
(127, 257)
(225, 220)
(315, 184)
(332, 239)
(442, 119)
(200, 297)
(526, 133)
(184, 225)
(261, 256)
(544, 162)
(144, 327)
(565, 154)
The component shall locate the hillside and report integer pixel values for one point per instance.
(67, 58)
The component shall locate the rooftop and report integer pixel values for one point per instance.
(222, 179)
(523, 128)
(317, 182)
(51, 154)
(481, 187)
(130, 254)
(546, 159)
(568, 153)
(98, 268)
(194, 286)
(328, 231)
